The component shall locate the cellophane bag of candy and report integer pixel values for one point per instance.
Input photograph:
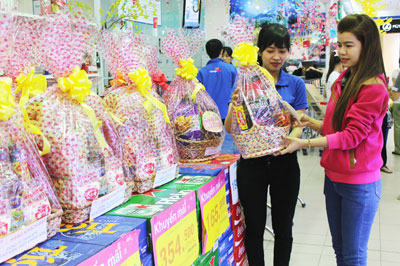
(24, 189)
(194, 115)
(26, 193)
(147, 138)
(81, 164)
(259, 117)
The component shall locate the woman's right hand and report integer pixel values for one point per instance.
(305, 121)
(235, 96)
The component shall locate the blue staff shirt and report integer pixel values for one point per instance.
(293, 90)
(219, 78)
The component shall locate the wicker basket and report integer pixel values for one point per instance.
(191, 151)
(73, 214)
(255, 143)
(53, 222)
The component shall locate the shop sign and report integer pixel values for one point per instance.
(391, 27)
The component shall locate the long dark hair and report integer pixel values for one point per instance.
(333, 61)
(272, 34)
(370, 63)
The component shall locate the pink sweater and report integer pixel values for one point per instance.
(353, 155)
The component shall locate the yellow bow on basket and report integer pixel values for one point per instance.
(142, 82)
(31, 86)
(246, 54)
(7, 103)
(78, 85)
(187, 70)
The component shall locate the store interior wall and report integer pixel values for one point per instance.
(390, 50)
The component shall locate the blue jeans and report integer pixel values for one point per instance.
(351, 210)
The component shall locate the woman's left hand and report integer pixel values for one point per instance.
(292, 144)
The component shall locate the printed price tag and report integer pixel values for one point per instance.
(163, 176)
(175, 233)
(233, 183)
(215, 218)
(107, 202)
(23, 239)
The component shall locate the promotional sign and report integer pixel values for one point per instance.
(175, 235)
(124, 251)
(214, 211)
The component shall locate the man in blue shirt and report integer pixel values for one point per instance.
(218, 77)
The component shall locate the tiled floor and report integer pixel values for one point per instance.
(312, 240)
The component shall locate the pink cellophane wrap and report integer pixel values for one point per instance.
(259, 117)
(81, 170)
(26, 193)
(147, 139)
(194, 142)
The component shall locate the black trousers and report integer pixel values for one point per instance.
(385, 132)
(281, 174)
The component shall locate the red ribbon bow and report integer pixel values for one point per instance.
(160, 80)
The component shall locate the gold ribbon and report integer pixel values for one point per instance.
(78, 86)
(119, 80)
(246, 54)
(198, 87)
(267, 74)
(7, 103)
(114, 117)
(31, 86)
(187, 70)
(143, 83)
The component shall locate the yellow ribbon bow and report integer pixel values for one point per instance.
(78, 86)
(143, 83)
(7, 103)
(31, 86)
(187, 70)
(198, 87)
(246, 54)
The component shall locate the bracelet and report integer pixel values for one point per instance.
(309, 143)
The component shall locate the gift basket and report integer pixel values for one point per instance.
(194, 115)
(147, 138)
(26, 194)
(260, 117)
(81, 164)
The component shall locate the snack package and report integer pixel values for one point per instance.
(26, 194)
(146, 134)
(81, 164)
(260, 117)
(194, 115)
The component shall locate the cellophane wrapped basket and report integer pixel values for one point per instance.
(194, 115)
(259, 117)
(146, 134)
(26, 193)
(81, 164)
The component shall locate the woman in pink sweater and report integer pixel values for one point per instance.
(352, 138)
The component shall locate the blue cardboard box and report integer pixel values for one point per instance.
(147, 260)
(55, 252)
(104, 230)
